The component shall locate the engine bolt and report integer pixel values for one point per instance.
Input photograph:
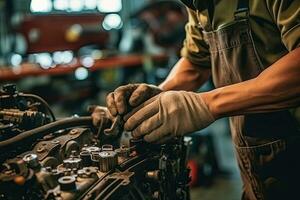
(67, 183)
(40, 149)
(32, 160)
(74, 132)
(55, 141)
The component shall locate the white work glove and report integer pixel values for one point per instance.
(126, 97)
(167, 115)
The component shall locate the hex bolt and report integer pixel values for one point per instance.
(40, 150)
(31, 160)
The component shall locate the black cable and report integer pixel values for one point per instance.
(42, 101)
(46, 129)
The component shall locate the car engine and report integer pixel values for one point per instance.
(65, 159)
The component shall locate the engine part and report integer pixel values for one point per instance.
(32, 161)
(66, 159)
(67, 183)
(108, 159)
(72, 163)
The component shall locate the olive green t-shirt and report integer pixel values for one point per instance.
(275, 26)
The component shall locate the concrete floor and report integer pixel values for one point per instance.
(221, 189)
(228, 187)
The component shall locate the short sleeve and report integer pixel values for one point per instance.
(286, 14)
(195, 49)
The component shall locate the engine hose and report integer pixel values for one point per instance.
(46, 129)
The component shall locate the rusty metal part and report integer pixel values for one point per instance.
(31, 160)
(67, 160)
(67, 183)
(108, 160)
(72, 163)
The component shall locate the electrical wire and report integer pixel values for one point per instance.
(42, 101)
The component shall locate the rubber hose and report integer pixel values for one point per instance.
(46, 129)
(40, 99)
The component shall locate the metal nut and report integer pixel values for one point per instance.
(74, 132)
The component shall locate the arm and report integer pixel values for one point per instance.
(185, 76)
(193, 69)
(190, 72)
(276, 88)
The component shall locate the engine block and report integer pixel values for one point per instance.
(70, 159)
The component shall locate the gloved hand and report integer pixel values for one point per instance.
(129, 96)
(99, 113)
(167, 115)
(103, 120)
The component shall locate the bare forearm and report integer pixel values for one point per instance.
(276, 88)
(185, 76)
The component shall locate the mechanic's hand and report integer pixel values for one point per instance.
(167, 115)
(129, 96)
(99, 113)
(103, 120)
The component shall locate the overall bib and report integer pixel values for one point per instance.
(267, 145)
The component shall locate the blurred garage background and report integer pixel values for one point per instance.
(73, 52)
